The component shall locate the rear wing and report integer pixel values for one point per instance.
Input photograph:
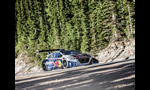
(49, 51)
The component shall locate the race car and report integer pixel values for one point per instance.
(64, 59)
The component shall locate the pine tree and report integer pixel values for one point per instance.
(62, 23)
(21, 29)
(67, 41)
(131, 14)
(122, 19)
(18, 27)
(76, 23)
(84, 30)
(107, 22)
(48, 16)
(99, 24)
(93, 31)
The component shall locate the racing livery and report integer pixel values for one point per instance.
(64, 59)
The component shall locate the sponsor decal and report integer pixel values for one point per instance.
(58, 63)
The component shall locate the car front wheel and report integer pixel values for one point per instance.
(65, 64)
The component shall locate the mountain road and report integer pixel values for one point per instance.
(119, 75)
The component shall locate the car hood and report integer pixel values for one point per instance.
(69, 57)
(78, 56)
(82, 56)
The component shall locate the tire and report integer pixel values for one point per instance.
(65, 64)
(44, 67)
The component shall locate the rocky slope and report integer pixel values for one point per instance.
(23, 66)
(117, 51)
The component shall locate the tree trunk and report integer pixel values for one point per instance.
(130, 19)
(114, 26)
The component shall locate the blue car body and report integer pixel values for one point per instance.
(65, 59)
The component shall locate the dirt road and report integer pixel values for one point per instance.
(112, 76)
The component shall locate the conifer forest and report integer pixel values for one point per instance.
(82, 25)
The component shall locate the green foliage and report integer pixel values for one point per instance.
(83, 25)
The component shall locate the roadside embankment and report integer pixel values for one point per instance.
(117, 51)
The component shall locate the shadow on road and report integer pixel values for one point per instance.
(118, 77)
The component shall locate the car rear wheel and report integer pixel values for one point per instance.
(44, 67)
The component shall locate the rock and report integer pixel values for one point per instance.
(22, 67)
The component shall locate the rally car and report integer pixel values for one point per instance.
(64, 59)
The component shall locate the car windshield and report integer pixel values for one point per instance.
(68, 52)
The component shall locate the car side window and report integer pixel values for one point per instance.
(51, 55)
(58, 55)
